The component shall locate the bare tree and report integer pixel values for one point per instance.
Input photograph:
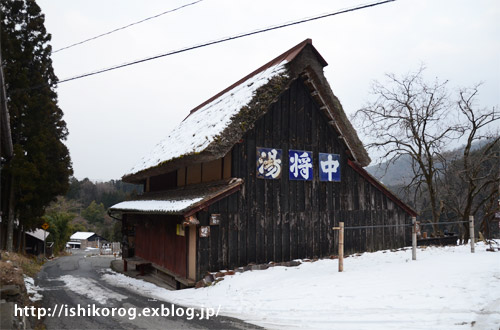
(475, 174)
(412, 118)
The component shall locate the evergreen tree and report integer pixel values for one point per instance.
(94, 213)
(41, 166)
(60, 228)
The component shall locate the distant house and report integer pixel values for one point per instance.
(84, 239)
(34, 241)
(260, 172)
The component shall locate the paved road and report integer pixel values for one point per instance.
(85, 272)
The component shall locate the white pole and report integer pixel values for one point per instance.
(471, 233)
(414, 238)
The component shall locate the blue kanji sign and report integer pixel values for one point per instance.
(268, 163)
(300, 165)
(329, 167)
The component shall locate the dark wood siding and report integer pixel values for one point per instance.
(280, 220)
(163, 182)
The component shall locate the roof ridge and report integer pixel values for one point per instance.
(288, 55)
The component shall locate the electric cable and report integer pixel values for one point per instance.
(218, 41)
(126, 26)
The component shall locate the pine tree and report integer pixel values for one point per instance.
(41, 166)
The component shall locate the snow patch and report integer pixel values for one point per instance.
(445, 288)
(32, 289)
(91, 289)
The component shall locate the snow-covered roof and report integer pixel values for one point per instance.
(201, 128)
(168, 206)
(38, 234)
(81, 235)
(180, 200)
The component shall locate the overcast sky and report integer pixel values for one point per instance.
(115, 118)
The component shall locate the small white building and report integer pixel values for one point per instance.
(84, 239)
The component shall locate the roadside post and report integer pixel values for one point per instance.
(340, 228)
(471, 234)
(45, 226)
(414, 238)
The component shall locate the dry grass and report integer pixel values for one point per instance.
(14, 265)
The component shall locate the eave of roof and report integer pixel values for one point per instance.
(184, 201)
(332, 108)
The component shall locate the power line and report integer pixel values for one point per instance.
(126, 26)
(238, 36)
(380, 226)
(406, 225)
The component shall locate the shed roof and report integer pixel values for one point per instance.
(212, 128)
(81, 235)
(38, 234)
(185, 200)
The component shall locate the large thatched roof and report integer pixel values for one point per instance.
(211, 129)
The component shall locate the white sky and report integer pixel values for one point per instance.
(115, 118)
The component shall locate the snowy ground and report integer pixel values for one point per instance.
(32, 289)
(446, 288)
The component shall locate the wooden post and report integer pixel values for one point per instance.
(414, 239)
(340, 228)
(341, 247)
(471, 233)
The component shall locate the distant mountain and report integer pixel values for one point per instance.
(396, 174)
(400, 172)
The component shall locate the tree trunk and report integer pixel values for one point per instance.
(436, 214)
(20, 236)
(10, 217)
(466, 229)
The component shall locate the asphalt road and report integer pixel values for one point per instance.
(89, 289)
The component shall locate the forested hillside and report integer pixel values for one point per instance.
(84, 207)
(398, 176)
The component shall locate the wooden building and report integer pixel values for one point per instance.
(260, 172)
(34, 241)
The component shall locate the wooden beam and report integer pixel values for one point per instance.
(206, 204)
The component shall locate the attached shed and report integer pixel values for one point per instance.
(260, 172)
